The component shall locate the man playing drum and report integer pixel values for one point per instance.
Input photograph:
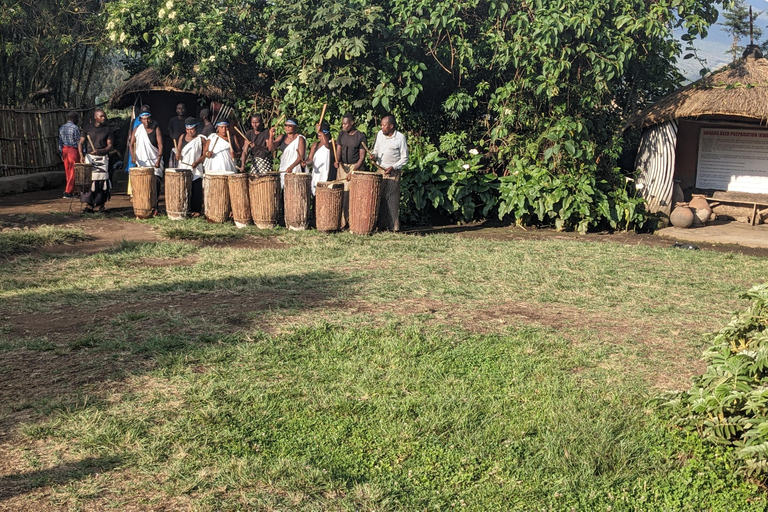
(256, 144)
(147, 145)
(350, 147)
(97, 139)
(390, 153)
(320, 156)
(293, 146)
(219, 152)
(191, 146)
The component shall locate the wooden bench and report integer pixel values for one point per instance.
(742, 199)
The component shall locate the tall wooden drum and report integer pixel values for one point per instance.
(264, 193)
(364, 198)
(238, 197)
(328, 205)
(216, 192)
(144, 191)
(178, 191)
(83, 178)
(297, 194)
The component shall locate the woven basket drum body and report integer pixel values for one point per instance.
(178, 191)
(298, 190)
(83, 178)
(144, 191)
(328, 205)
(216, 198)
(238, 197)
(364, 197)
(264, 194)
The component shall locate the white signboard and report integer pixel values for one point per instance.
(733, 160)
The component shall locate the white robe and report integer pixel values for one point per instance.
(191, 152)
(146, 154)
(220, 162)
(290, 154)
(321, 166)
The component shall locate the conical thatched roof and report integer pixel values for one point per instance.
(151, 80)
(738, 90)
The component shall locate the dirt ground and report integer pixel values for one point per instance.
(48, 207)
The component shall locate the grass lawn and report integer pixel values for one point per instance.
(343, 372)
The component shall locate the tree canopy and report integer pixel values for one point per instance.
(542, 82)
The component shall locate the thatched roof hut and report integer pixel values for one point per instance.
(705, 136)
(150, 80)
(739, 90)
(162, 94)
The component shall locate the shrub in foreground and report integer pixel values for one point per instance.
(728, 404)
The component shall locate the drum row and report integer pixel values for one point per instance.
(257, 198)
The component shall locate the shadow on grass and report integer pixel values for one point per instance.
(20, 483)
(49, 360)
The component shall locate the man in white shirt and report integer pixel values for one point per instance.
(390, 152)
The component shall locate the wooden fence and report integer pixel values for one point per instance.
(29, 140)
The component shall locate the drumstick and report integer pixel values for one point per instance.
(90, 142)
(211, 149)
(322, 114)
(241, 133)
(370, 153)
(229, 141)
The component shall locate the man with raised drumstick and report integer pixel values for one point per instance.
(390, 154)
(97, 139)
(175, 130)
(219, 151)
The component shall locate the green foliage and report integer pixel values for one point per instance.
(54, 48)
(458, 190)
(577, 200)
(545, 82)
(728, 404)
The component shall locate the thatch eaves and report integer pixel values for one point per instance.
(737, 90)
(151, 80)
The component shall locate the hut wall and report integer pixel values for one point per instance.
(656, 162)
(29, 140)
(687, 150)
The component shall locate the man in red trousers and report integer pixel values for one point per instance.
(69, 137)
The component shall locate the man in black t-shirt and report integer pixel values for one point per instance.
(98, 142)
(176, 129)
(350, 153)
(256, 145)
(350, 156)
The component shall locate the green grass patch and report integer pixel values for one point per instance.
(19, 242)
(328, 417)
(199, 229)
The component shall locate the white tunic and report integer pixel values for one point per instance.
(321, 166)
(220, 162)
(146, 154)
(290, 154)
(191, 152)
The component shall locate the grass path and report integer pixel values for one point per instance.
(390, 372)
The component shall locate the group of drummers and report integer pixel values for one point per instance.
(209, 148)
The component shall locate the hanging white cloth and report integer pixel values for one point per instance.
(220, 161)
(290, 154)
(100, 171)
(146, 154)
(191, 152)
(321, 166)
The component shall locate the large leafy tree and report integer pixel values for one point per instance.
(544, 84)
(50, 49)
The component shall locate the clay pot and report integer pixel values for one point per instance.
(703, 210)
(682, 216)
(699, 202)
